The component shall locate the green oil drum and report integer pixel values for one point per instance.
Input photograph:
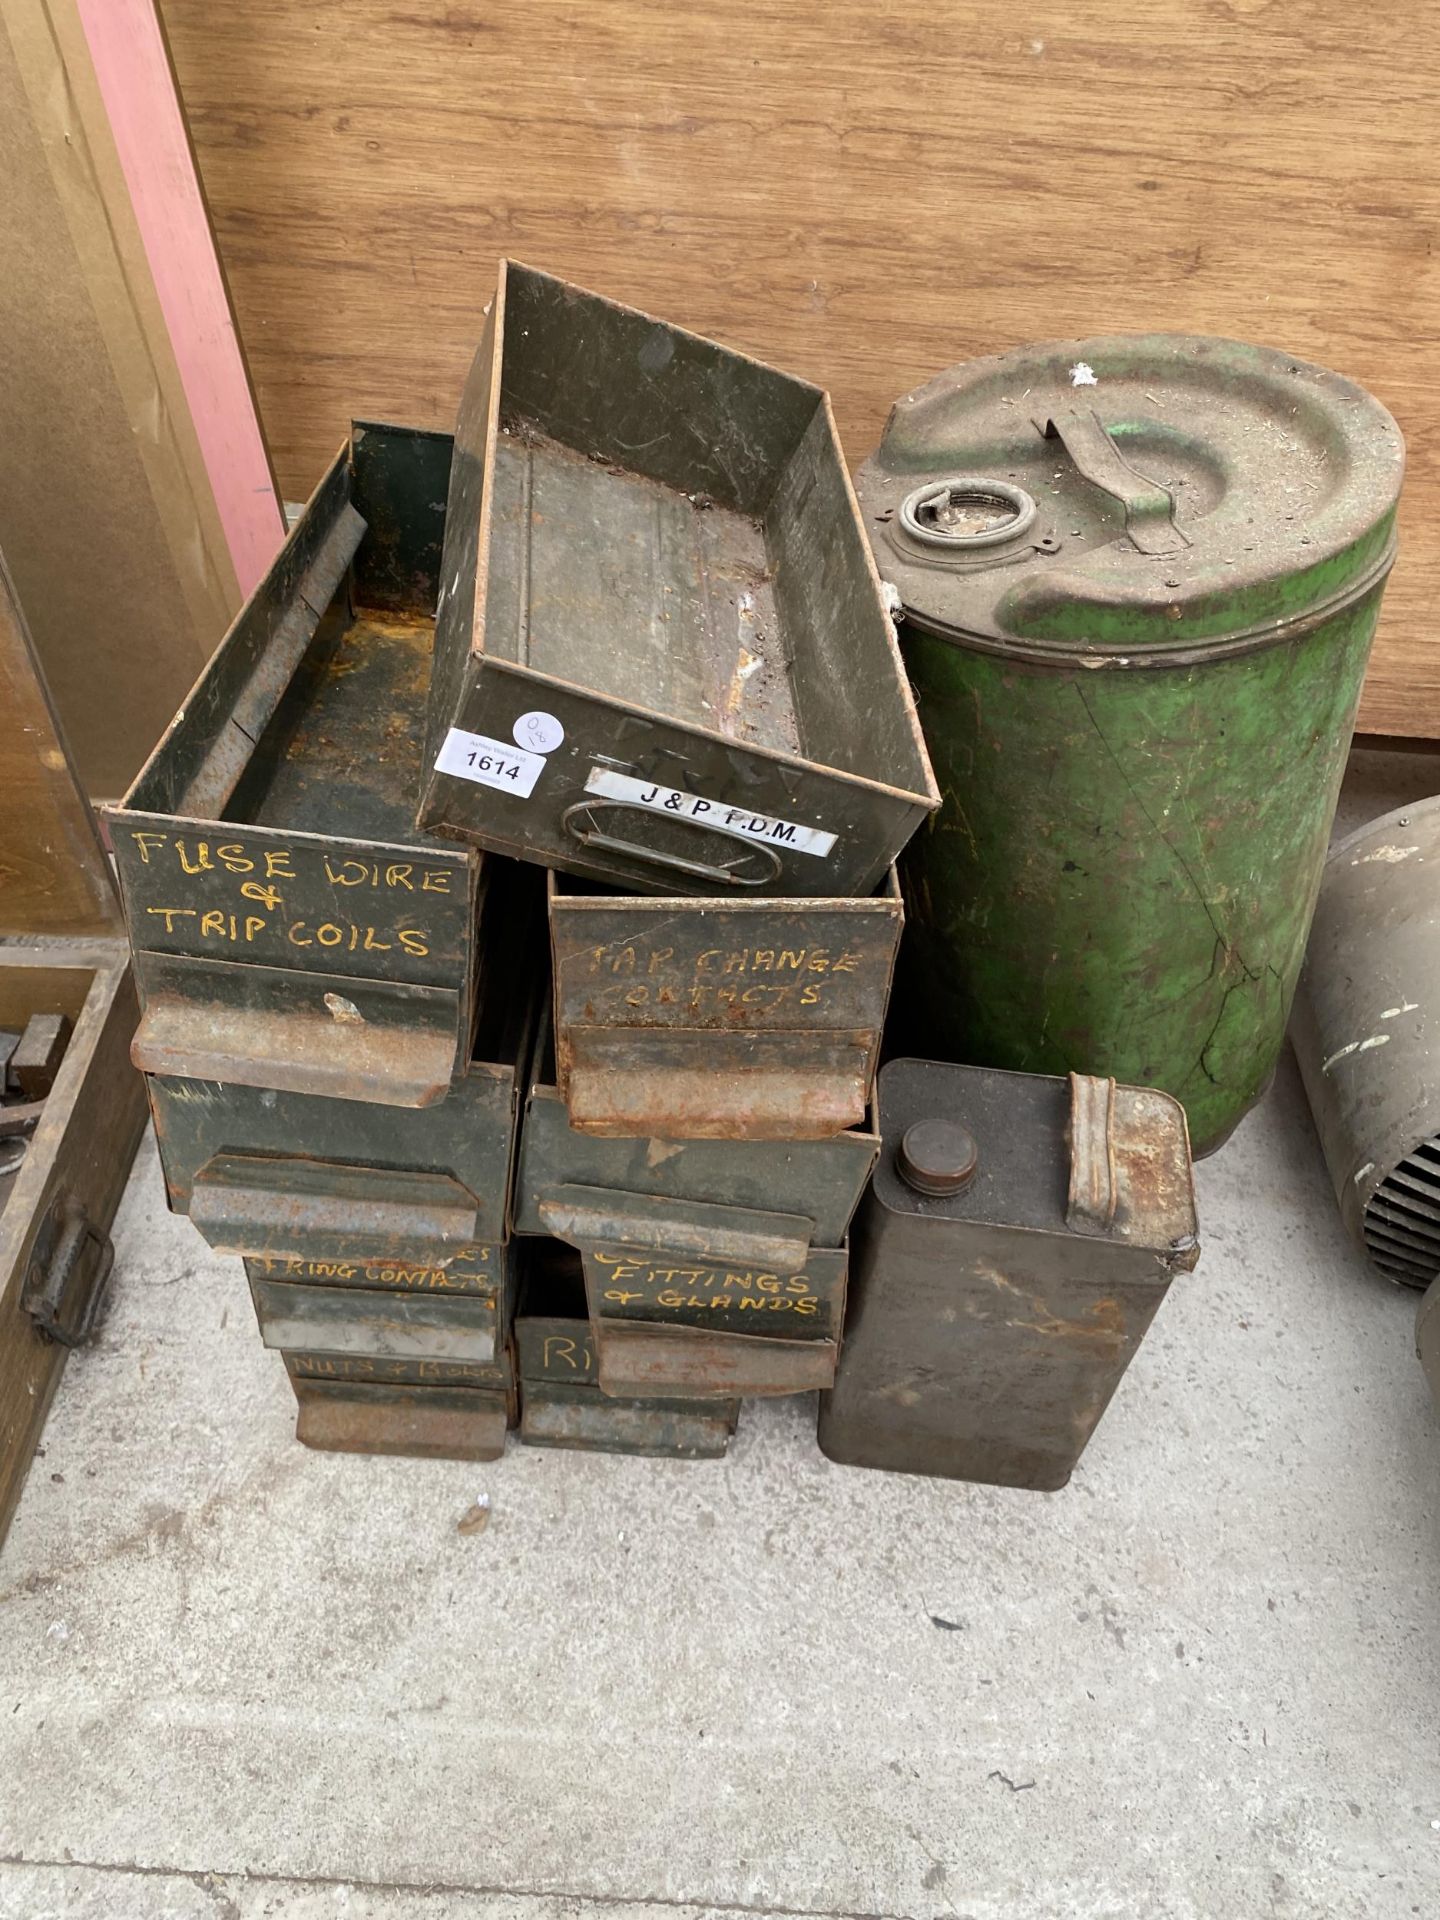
(1140, 577)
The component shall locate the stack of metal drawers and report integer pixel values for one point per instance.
(597, 1183)
(337, 1011)
(669, 676)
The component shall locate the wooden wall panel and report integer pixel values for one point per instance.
(863, 192)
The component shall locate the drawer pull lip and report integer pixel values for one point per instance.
(594, 837)
(650, 1223)
(269, 1206)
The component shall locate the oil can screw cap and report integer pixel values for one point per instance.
(937, 1157)
(966, 512)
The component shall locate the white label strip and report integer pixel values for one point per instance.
(737, 821)
(490, 763)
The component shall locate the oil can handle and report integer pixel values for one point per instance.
(1149, 507)
(589, 835)
(1094, 1193)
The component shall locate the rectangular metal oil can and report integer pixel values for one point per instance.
(714, 1268)
(1020, 1235)
(291, 929)
(281, 1176)
(561, 1401)
(663, 657)
(750, 1019)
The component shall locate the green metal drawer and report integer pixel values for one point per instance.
(561, 1401)
(291, 930)
(712, 1267)
(719, 1018)
(663, 658)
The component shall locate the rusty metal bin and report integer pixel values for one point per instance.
(662, 659)
(301, 1307)
(1020, 1236)
(424, 1409)
(291, 930)
(719, 1018)
(561, 1400)
(291, 1176)
(714, 1268)
(1364, 1034)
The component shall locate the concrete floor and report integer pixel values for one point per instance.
(240, 1679)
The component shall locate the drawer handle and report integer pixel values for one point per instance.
(579, 823)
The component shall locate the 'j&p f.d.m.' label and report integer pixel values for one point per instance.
(490, 763)
(739, 822)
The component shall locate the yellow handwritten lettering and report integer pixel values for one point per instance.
(253, 924)
(329, 935)
(372, 945)
(171, 914)
(810, 995)
(847, 963)
(349, 873)
(233, 859)
(399, 876)
(212, 923)
(294, 935)
(144, 841)
(202, 862)
(277, 865)
(659, 957)
(558, 1347)
(414, 943)
(702, 962)
(436, 880)
(254, 890)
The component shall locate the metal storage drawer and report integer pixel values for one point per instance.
(720, 1018)
(290, 928)
(689, 1244)
(561, 1401)
(427, 1422)
(662, 658)
(376, 1322)
(290, 1176)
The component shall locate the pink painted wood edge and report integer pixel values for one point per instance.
(132, 69)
